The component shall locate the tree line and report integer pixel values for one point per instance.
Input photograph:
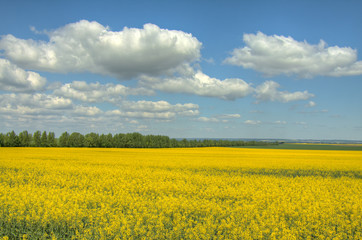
(119, 140)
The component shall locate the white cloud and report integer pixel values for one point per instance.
(349, 70)
(142, 128)
(87, 111)
(159, 106)
(224, 118)
(133, 121)
(39, 106)
(207, 119)
(13, 78)
(229, 116)
(274, 55)
(252, 122)
(200, 84)
(268, 91)
(156, 110)
(310, 104)
(96, 92)
(160, 58)
(44, 111)
(149, 115)
(280, 122)
(34, 101)
(90, 47)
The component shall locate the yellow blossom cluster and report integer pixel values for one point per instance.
(190, 193)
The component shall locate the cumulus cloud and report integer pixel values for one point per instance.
(274, 55)
(201, 84)
(38, 99)
(211, 119)
(15, 79)
(280, 122)
(157, 110)
(41, 111)
(224, 118)
(150, 115)
(268, 91)
(47, 110)
(87, 110)
(198, 83)
(311, 104)
(252, 122)
(229, 116)
(160, 59)
(96, 92)
(91, 47)
(39, 104)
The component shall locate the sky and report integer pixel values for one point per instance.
(185, 69)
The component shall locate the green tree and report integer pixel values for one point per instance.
(137, 140)
(12, 140)
(76, 140)
(2, 140)
(25, 138)
(44, 139)
(106, 140)
(64, 140)
(118, 140)
(91, 140)
(36, 139)
(51, 140)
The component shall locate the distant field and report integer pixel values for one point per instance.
(188, 193)
(312, 146)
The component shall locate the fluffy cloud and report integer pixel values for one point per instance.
(268, 91)
(90, 47)
(13, 78)
(150, 115)
(201, 84)
(229, 116)
(252, 122)
(37, 100)
(157, 110)
(87, 110)
(311, 104)
(159, 58)
(33, 104)
(224, 118)
(41, 111)
(274, 55)
(207, 119)
(96, 92)
(280, 122)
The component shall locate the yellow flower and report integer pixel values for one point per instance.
(197, 193)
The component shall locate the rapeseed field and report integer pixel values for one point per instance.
(191, 193)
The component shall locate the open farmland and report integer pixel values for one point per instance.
(192, 193)
(311, 146)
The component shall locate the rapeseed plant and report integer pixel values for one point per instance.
(207, 193)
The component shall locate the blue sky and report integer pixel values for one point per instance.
(223, 69)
